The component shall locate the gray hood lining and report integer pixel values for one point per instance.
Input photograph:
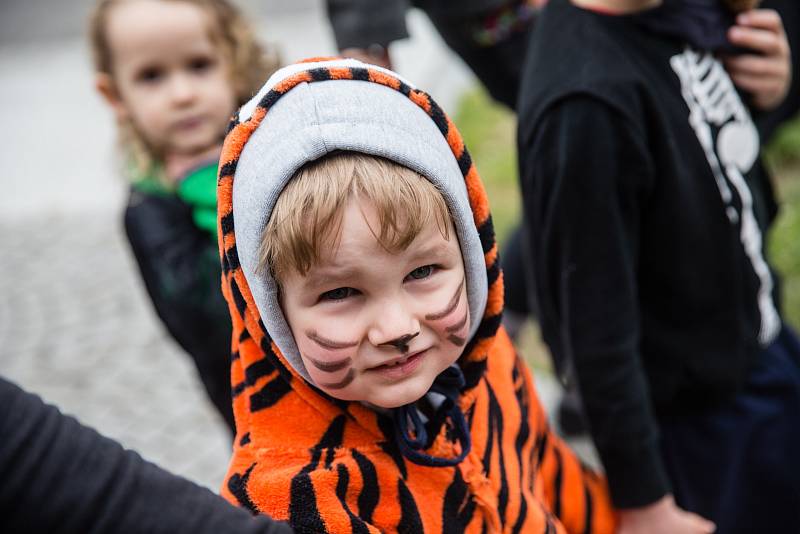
(312, 120)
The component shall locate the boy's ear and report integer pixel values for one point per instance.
(108, 90)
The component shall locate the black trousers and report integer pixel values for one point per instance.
(738, 464)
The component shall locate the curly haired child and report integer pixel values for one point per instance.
(173, 71)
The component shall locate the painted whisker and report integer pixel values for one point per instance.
(459, 325)
(330, 367)
(456, 340)
(329, 343)
(451, 306)
(341, 384)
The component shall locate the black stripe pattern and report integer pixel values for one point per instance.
(304, 514)
(237, 485)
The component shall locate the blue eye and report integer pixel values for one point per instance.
(340, 293)
(421, 272)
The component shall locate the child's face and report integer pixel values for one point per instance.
(170, 79)
(376, 326)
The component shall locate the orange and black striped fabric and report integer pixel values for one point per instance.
(332, 466)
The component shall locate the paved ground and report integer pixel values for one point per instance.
(75, 326)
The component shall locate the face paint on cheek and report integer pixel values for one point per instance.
(343, 383)
(329, 367)
(329, 344)
(332, 366)
(456, 328)
(451, 306)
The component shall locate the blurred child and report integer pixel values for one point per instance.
(376, 391)
(647, 206)
(173, 71)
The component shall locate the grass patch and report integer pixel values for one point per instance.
(489, 132)
(783, 151)
(783, 158)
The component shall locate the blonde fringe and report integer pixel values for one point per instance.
(306, 220)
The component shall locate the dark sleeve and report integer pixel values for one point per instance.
(585, 175)
(515, 273)
(360, 23)
(178, 260)
(181, 271)
(179, 265)
(60, 476)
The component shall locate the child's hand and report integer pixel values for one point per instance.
(767, 73)
(662, 517)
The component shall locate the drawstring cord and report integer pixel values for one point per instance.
(407, 419)
(448, 384)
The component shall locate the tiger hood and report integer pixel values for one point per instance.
(327, 465)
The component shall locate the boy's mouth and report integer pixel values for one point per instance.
(400, 367)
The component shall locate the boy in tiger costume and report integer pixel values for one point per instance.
(374, 390)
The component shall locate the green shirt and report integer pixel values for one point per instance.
(198, 189)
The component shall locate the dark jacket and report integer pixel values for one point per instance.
(179, 264)
(647, 246)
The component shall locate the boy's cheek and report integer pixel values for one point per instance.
(452, 326)
(456, 328)
(335, 383)
(341, 383)
(325, 365)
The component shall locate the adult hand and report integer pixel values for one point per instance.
(767, 72)
(662, 517)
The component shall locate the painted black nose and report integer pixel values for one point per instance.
(401, 343)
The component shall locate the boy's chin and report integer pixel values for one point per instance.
(387, 400)
(399, 398)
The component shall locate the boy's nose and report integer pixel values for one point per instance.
(392, 325)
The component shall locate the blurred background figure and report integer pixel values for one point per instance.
(646, 198)
(173, 72)
(520, 297)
